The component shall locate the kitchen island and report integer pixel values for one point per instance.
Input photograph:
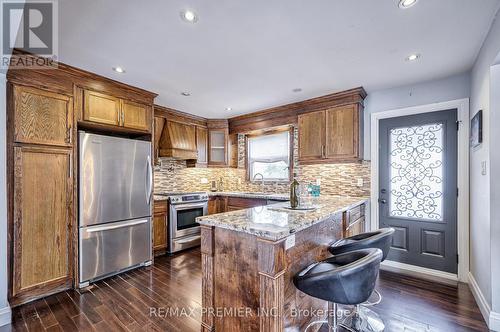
(249, 258)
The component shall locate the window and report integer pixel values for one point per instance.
(269, 155)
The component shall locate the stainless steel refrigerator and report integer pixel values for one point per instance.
(115, 194)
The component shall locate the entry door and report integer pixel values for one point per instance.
(418, 188)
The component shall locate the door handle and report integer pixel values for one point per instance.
(382, 201)
(94, 229)
(149, 175)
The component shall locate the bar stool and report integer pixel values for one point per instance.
(380, 239)
(348, 278)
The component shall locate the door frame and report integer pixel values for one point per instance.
(462, 106)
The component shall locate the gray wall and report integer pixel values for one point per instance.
(481, 206)
(495, 187)
(451, 88)
(3, 204)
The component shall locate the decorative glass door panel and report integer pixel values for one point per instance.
(418, 188)
(416, 172)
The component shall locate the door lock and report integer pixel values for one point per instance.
(382, 201)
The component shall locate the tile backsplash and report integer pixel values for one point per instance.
(336, 179)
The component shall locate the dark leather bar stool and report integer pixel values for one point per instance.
(348, 278)
(380, 239)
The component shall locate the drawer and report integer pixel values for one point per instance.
(245, 202)
(355, 213)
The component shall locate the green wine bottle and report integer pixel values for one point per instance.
(294, 189)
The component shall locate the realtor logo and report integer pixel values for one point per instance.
(29, 26)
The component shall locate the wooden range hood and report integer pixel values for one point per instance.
(178, 140)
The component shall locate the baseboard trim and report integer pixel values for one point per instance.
(421, 272)
(491, 318)
(5, 316)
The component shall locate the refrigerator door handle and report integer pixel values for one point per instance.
(149, 181)
(93, 229)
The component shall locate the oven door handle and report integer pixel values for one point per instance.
(188, 206)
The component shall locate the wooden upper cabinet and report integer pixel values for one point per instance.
(311, 136)
(42, 117)
(342, 133)
(42, 201)
(333, 135)
(108, 110)
(101, 108)
(159, 123)
(201, 147)
(136, 116)
(218, 143)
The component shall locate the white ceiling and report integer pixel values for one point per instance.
(249, 55)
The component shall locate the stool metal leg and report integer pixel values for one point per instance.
(332, 321)
(379, 299)
(363, 320)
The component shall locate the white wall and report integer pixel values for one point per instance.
(4, 305)
(480, 203)
(451, 88)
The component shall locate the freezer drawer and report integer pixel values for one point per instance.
(110, 248)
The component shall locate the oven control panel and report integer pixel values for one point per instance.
(188, 198)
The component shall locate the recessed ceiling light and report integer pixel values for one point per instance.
(406, 3)
(413, 57)
(119, 70)
(189, 16)
(229, 109)
(186, 94)
(297, 90)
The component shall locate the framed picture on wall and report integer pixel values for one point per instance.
(476, 129)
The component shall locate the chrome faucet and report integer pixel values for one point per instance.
(261, 181)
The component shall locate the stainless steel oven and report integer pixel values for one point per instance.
(184, 231)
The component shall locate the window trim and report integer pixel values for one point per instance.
(273, 131)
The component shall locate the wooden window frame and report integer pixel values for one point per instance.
(266, 132)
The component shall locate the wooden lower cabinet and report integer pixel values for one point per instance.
(220, 204)
(240, 203)
(42, 224)
(354, 221)
(160, 219)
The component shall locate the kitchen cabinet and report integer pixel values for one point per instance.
(42, 205)
(217, 144)
(108, 110)
(42, 117)
(332, 135)
(160, 227)
(311, 136)
(354, 221)
(201, 147)
(135, 115)
(240, 203)
(159, 122)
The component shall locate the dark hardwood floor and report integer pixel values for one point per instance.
(137, 301)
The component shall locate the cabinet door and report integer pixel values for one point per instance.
(42, 117)
(213, 207)
(202, 144)
(101, 108)
(217, 147)
(158, 123)
(311, 136)
(160, 231)
(342, 132)
(136, 116)
(42, 222)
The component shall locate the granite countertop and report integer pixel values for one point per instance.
(278, 197)
(161, 196)
(275, 222)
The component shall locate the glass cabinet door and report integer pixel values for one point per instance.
(217, 146)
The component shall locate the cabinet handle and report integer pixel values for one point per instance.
(119, 115)
(123, 118)
(68, 135)
(323, 149)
